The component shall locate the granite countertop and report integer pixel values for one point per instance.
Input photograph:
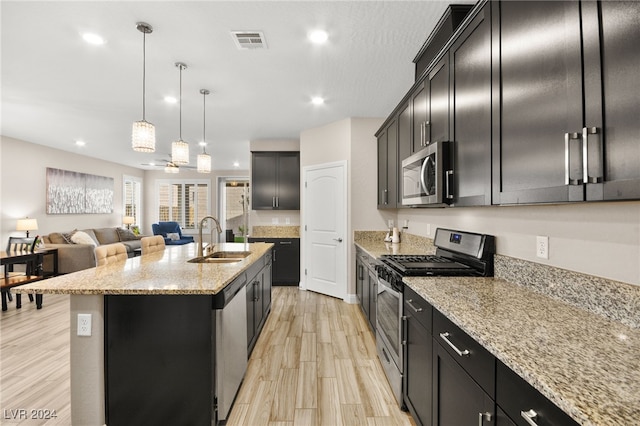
(275, 231)
(586, 364)
(166, 272)
(372, 242)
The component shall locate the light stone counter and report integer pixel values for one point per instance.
(586, 364)
(166, 272)
(277, 231)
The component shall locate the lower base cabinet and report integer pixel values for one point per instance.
(519, 399)
(258, 302)
(418, 360)
(451, 380)
(457, 398)
(286, 260)
(367, 286)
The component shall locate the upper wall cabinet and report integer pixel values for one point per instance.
(470, 88)
(275, 180)
(388, 166)
(556, 142)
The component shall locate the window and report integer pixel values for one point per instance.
(132, 199)
(182, 201)
(233, 210)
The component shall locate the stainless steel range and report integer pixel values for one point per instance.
(457, 254)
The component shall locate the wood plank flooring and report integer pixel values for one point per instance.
(315, 363)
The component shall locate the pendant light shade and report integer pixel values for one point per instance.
(180, 148)
(204, 159)
(143, 133)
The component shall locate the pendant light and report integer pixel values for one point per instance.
(204, 159)
(143, 133)
(180, 148)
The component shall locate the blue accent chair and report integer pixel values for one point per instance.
(164, 228)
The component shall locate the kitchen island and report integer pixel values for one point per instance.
(169, 338)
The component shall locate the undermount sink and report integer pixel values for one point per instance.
(221, 257)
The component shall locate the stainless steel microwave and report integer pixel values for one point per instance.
(427, 176)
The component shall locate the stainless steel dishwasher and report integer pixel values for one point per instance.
(231, 345)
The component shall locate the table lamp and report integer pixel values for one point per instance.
(27, 224)
(128, 220)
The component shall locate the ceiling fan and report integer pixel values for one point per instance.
(168, 165)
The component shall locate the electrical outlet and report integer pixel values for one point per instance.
(542, 247)
(287, 220)
(428, 229)
(84, 324)
(274, 220)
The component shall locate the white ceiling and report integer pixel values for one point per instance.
(57, 89)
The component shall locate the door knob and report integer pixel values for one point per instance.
(338, 240)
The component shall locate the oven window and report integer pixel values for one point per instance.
(388, 316)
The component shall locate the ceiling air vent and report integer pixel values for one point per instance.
(249, 39)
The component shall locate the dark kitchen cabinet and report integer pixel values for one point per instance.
(388, 166)
(518, 399)
(258, 301)
(367, 286)
(420, 120)
(457, 398)
(286, 259)
(470, 88)
(612, 99)
(275, 180)
(437, 128)
(569, 102)
(417, 392)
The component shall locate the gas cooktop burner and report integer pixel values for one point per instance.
(458, 254)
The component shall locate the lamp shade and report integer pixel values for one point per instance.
(27, 224)
(128, 220)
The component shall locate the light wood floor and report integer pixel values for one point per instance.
(315, 363)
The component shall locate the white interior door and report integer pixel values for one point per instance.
(325, 224)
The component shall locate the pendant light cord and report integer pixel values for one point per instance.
(180, 102)
(204, 122)
(144, 73)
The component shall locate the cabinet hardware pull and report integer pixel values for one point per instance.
(528, 416)
(567, 160)
(483, 416)
(385, 196)
(405, 334)
(277, 201)
(427, 125)
(409, 302)
(386, 356)
(273, 201)
(285, 242)
(448, 180)
(586, 131)
(445, 336)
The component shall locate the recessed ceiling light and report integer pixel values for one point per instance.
(317, 100)
(93, 39)
(170, 100)
(236, 164)
(318, 36)
(80, 143)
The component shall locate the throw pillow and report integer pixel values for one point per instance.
(67, 236)
(80, 237)
(174, 236)
(126, 234)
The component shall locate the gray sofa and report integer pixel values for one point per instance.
(75, 257)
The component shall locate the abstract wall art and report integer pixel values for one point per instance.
(78, 193)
